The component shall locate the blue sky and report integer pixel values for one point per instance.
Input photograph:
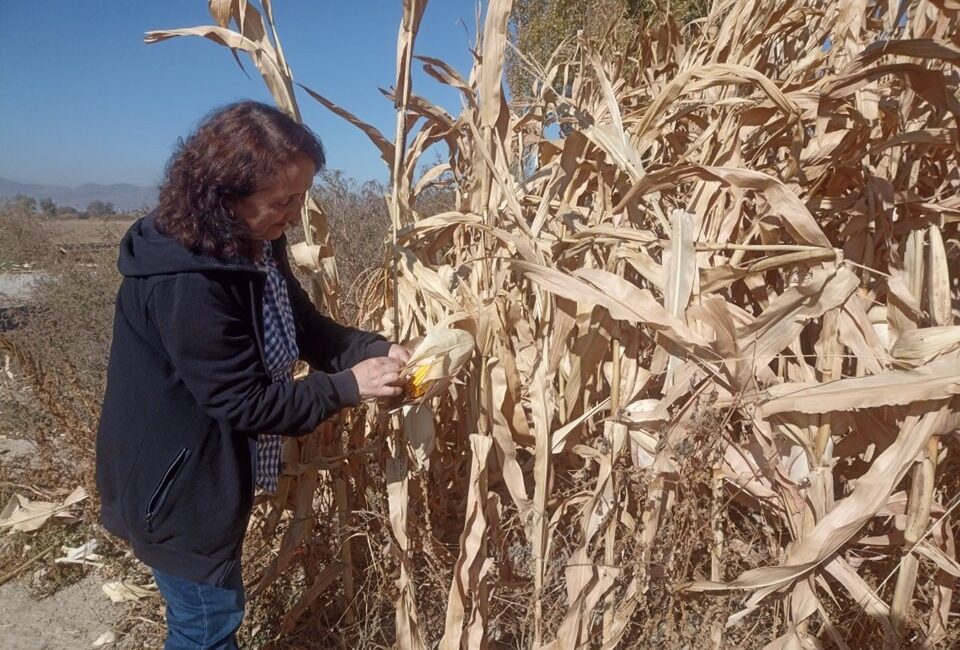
(83, 99)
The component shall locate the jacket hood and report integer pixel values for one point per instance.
(145, 251)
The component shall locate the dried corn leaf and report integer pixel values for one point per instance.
(934, 381)
(123, 591)
(23, 515)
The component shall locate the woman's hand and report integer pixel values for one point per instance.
(379, 376)
(399, 353)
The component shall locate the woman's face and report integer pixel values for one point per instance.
(268, 211)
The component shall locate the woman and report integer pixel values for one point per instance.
(209, 322)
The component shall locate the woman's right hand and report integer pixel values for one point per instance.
(378, 377)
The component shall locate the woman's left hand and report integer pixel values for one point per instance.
(399, 353)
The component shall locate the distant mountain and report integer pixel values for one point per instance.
(123, 196)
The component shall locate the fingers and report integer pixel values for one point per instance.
(378, 377)
(382, 365)
(399, 353)
(390, 379)
(386, 385)
(387, 367)
(386, 391)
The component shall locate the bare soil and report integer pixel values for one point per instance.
(86, 231)
(44, 605)
(75, 615)
(69, 619)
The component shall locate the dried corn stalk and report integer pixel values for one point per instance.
(715, 323)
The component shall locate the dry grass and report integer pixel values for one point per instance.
(57, 355)
(713, 283)
(53, 372)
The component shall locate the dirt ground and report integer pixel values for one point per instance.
(44, 606)
(72, 618)
(87, 231)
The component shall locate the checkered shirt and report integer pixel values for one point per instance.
(281, 352)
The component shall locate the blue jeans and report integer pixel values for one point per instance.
(202, 616)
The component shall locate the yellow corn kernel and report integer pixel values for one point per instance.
(417, 384)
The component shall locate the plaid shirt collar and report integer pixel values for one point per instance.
(280, 352)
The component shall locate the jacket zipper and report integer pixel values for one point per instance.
(160, 494)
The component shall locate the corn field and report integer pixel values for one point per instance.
(712, 281)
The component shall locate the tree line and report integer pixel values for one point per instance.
(47, 207)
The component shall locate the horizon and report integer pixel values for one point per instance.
(326, 169)
(74, 187)
(124, 197)
(98, 106)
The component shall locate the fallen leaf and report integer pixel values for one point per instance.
(23, 515)
(83, 554)
(122, 591)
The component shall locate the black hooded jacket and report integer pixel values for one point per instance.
(188, 392)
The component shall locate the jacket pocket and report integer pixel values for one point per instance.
(155, 503)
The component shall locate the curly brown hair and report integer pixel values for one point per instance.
(235, 151)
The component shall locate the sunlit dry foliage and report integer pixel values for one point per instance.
(713, 401)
